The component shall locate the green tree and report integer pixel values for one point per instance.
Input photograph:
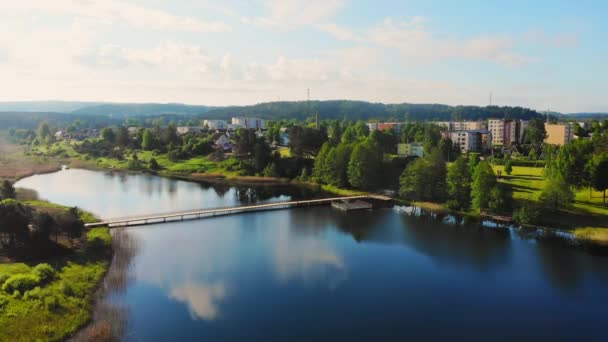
(340, 164)
(484, 181)
(318, 171)
(557, 194)
(498, 198)
(599, 173)
(364, 165)
(44, 226)
(43, 131)
(271, 170)
(261, 155)
(147, 141)
(14, 221)
(425, 179)
(154, 165)
(508, 167)
(329, 170)
(535, 133)
(108, 135)
(71, 224)
(414, 183)
(7, 191)
(459, 184)
(122, 136)
(170, 136)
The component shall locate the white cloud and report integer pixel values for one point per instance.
(112, 12)
(288, 14)
(413, 40)
(169, 55)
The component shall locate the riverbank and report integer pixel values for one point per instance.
(52, 298)
(525, 183)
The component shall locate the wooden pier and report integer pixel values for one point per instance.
(212, 212)
(351, 205)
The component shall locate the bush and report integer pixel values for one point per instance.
(20, 283)
(66, 289)
(51, 303)
(36, 293)
(3, 301)
(529, 213)
(44, 272)
(3, 278)
(154, 164)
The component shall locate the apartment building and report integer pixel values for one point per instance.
(215, 124)
(471, 140)
(559, 134)
(507, 132)
(249, 123)
(462, 125)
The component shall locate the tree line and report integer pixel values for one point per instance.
(25, 228)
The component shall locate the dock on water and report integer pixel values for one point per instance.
(351, 205)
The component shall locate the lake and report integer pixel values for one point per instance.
(311, 273)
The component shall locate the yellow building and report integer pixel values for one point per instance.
(558, 134)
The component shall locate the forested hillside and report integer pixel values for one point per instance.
(101, 115)
(360, 110)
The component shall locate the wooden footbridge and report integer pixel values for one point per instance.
(212, 212)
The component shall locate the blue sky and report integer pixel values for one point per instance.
(539, 54)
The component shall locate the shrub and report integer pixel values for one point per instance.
(51, 303)
(3, 278)
(20, 283)
(3, 301)
(66, 289)
(529, 213)
(36, 293)
(44, 272)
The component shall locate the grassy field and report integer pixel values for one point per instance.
(588, 217)
(14, 164)
(51, 309)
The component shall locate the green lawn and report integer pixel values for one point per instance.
(588, 211)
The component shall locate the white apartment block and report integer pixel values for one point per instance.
(215, 124)
(462, 125)
(471, 140)
(246, 122)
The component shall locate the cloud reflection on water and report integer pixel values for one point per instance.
(202, 299)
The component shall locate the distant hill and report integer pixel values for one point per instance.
(586, 116)
(31, 120)
(103, 108)
(44, 106)
(142, 109)
(100, 114)
(360, 110)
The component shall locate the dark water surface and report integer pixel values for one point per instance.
(314, 272)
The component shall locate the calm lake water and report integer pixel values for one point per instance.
(314, 272)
